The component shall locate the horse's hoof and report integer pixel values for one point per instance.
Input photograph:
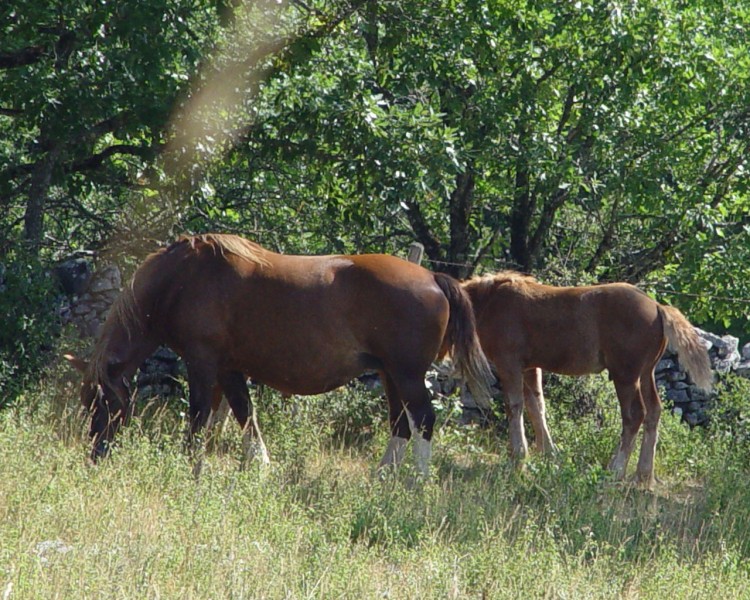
(645, 481)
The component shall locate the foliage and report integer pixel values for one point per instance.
(729, 413)
(30, 323)
(503, 133)
(85, 91)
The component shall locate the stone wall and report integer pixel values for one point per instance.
(680, 392)
(89, 294)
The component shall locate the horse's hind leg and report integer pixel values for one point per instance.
(410, 413)
(513, 384)
(399, 422)
(238, 397)
(534, 401)
(632, 411)
(645, 470)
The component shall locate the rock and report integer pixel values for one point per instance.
(675, 376)
(722, 346)
(677, 396)
(728, 347)
(725, 365)
(665, 364)
(699, 395)
(711, 339)
(165, 354)
(106, 279)
(73, 275)
(47, 549)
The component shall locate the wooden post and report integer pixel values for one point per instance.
(416, 252)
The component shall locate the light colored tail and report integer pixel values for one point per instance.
(683, 340)
(462, 342)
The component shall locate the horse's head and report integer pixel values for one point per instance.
(107, 398)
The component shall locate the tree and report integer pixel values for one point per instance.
(607, 140)
(85, 91)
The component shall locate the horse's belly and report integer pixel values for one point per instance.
(306, 375)
(306, 386)
(573, 363)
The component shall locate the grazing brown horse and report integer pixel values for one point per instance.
(300, 324)
(525, 326)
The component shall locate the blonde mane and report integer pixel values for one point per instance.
(124, 312)
(486, 283)
(232, 244)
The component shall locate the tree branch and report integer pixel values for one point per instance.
(21, 58)
(96, 160)
(431, 244)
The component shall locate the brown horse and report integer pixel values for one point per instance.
(525, 326)
(300, 324)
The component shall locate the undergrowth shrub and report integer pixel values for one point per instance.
(729, 413)
(30, 323)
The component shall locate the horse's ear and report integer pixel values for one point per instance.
(77, 363)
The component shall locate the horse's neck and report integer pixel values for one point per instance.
(126, 350)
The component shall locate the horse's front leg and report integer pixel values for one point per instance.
(235, 389)
(202, 380)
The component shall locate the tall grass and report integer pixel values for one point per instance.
(320, 524)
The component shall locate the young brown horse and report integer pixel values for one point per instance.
(525, 326)
(300, 324)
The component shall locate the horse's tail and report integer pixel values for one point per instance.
(684, 340)
(462, 343)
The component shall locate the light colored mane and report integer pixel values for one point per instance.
(123, 313)
(232, 244)
(486, 283)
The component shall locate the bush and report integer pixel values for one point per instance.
(28, 304)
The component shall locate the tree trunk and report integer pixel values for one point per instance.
(41, 180)
(461, 203)
(520, 217)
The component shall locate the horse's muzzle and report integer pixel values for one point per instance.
(100, 450)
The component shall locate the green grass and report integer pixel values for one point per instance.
(320, 524)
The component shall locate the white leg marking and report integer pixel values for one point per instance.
(217, 418)
(254, 448)
(422, 454)
(394, 453)
(422, 448)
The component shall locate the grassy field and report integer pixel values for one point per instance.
(320, 524)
